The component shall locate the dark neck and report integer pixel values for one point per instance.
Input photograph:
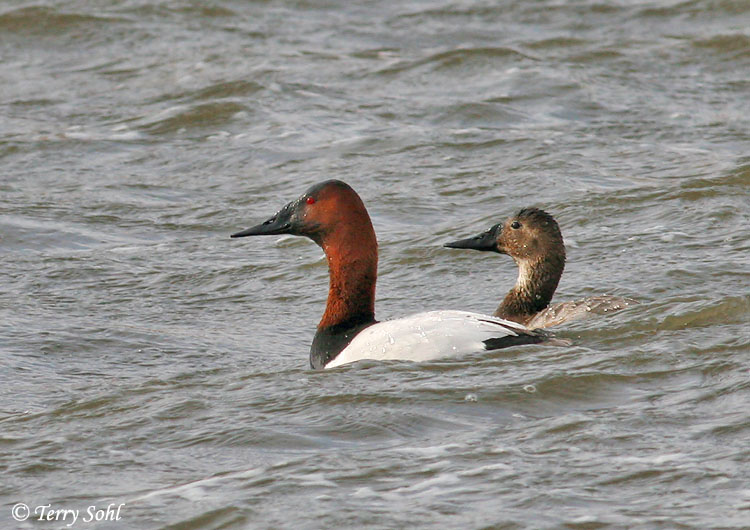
(533, 291)
(332, 340)
(352, 263)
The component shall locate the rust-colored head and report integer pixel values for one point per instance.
(324, 210)
(332, 214)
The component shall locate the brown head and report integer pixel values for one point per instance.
(530, 235)
(532, 238)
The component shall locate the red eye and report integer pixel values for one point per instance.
(310, 200)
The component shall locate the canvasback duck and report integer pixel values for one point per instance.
(333, 216)
(532, 238)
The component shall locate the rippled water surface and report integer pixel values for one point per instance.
(148, 361)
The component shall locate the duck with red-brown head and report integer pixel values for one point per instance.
(533, 239)
(333, 215)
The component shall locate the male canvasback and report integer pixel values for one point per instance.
(532, 238)
(333, 216)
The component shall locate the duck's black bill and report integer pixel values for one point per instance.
(484, 241)
(280, 223)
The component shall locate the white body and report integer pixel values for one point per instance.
(426, 336)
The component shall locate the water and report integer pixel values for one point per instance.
(149, 361)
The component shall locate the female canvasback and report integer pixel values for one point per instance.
(333, 216)
(532, 238)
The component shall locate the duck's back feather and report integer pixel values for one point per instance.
(557, 314)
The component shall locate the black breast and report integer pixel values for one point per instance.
(331, 341)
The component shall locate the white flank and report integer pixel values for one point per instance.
(425, 336)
